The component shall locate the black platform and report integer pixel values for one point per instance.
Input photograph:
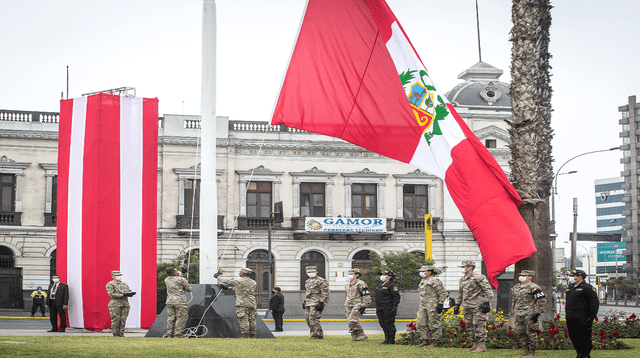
(220, 319)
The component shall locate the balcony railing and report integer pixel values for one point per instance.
(183, 222)
(29, 116)
(245, 223)
(50, 219)
(11, 218)
(410, 224)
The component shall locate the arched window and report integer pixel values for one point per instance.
(311, 258)
(361, 260)
(7, 260)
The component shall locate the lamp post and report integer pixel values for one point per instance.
(554, 191)
(553, 203)
(588, 259)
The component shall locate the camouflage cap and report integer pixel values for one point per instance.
(246, 271)
(312, 268)
(116, 273)
(388, 273)
(468, 263)
(527, 273)
(578, 273)
(354, 271)
(427, 268)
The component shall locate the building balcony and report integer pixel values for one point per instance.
(183, 222)
(409, 225)
(625, 186)
(625, 199)
(625, 160)
(11, 218)
(623, 121)
(246, 223)
(50, 219)
(625, 147)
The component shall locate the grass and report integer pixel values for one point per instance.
(300, 346)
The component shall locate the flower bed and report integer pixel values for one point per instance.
(554, 335)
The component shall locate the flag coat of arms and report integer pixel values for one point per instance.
(107, 200)
(355, 75)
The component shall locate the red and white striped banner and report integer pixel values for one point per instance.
(107, 200)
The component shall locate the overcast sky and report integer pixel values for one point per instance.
(154, 45)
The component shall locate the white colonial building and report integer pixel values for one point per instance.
(257, 165)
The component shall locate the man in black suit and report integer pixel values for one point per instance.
(58, 302)
(276, 307)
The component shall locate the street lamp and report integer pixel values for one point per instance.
(554, 191)
(553, 203)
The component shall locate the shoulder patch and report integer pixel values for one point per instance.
(396, 288)
(364, 292)
(594, 289)
(538, 294)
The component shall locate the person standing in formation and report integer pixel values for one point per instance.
(38, 301)
(276, 307)
(357, 300)
(528, 304)
(119, 293)
(317, 297)
(58, 302)
(582, 308)
(474, 293)
(387, 300)
(432, 297)
(177, 306)
(246, 306)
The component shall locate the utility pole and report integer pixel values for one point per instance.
(574, 237)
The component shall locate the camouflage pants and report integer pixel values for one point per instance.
(527, 331)
(119, 314)
(313, 321)
(176, 319)
(353, 319)
(476, 323)
(247, 319)
(427, 320)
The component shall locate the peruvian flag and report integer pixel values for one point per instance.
(107, 199)
(354, 75)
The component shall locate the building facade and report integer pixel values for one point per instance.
(257, 166)
(630, 135)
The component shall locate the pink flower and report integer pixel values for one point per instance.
(464, 343)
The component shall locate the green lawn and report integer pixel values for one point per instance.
(332, 346)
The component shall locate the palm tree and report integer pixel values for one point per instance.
(530, 129)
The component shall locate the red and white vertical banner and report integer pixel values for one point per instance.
(107, 205)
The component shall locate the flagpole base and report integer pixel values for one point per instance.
(207, 319)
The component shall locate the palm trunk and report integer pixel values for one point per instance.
(530, 130)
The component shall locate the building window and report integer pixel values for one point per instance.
(6, 257)
(625, 127)
(192, 197)
(311, 258)
(625, 114)
(312, 199)
(363, 197)
(259, 199)
(415, 201)
(625, 140)
(7, 192)
(625, 154)
(490, 143)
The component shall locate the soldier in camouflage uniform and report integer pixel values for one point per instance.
(432, 297)
(526, 296)
(177, 308)
(119, 293)
(358, 299)
(246, 306)
(317, 297)
(475, 293)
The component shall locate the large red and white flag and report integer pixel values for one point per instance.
(107, 199)
(355, 75)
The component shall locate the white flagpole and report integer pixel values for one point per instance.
(208, 188)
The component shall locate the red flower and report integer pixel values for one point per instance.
(633, 316)
(616, 334)
(557, 318)
(603, 334)
(597, 320)
(463, 325)
(566, 332)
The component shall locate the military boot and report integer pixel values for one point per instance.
(169, 335)
(473, 347)
(532, 353)
(245, 335)
(354, 335)
(526, 353)
(252, 335)
(424, 343)
(360, 336)
(481, 347)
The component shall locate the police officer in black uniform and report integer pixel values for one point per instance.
(582, 307)
(387, 300)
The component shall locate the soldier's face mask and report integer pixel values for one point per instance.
(383, 278)
(522, 278)
(117, 278)
(350, 277)
(572, 279)
(311, 274)
(423, 274)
